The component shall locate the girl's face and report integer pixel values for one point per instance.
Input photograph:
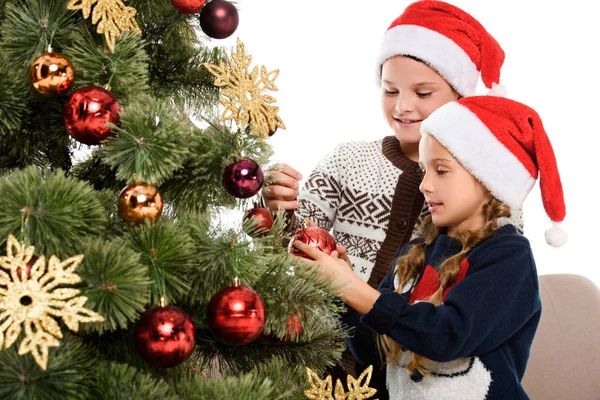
(455, 198)
(410, 91)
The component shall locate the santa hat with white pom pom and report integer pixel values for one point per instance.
(504, 145)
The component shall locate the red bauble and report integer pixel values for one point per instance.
(164, 336)
(263, 221)
(236, 315)
(219, 19)
(294, 328)
(188, 6)
(243, 178)
(87, 112)
(312, 236)
(32, 261)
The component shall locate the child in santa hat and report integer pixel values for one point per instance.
(367, 193)
(457, 317)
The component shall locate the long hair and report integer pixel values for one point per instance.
(412, 263)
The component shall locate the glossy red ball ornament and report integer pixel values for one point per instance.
(164, 336)
(243, 178)
(312, 236)
(219, 19)
(258, 221)
(87, 112)
(236, 315)
(188, 6)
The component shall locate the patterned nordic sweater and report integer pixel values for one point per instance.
(367, 194)
(477, 341)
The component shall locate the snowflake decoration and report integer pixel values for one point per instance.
(242, 93)
(28, 301)
(114, 16)
(321, 388)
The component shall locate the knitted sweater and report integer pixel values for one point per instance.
(477, 341)
(367, 194)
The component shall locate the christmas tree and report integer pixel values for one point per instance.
(125, 142)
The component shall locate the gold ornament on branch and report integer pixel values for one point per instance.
(29, 301)
(114, 16)
(358, 389)
(242, 93)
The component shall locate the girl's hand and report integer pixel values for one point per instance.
(336, 266)
(281, 188)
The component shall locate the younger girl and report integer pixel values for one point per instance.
(457, 316)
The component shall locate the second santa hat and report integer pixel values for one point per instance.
(504, 145)
(449, 40)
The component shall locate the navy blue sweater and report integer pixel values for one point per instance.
(477, 341)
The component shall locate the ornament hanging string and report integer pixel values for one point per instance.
(159, 276)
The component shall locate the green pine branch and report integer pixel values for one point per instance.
(53, 212)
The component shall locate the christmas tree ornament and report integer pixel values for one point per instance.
(188, 6)
(28, 303)
(312, 236)
(164, 336)
(260, 221)
(52, 73)
(138, 202)
(86, 113)
(358, 389)
(242, 92)
(219, 19)
(28, 266)
(236, 314)
(243, 178)
(112, 16)
(294, 328)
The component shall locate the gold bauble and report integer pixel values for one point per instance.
(138, 202)
(52, 74)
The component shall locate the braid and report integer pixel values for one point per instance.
(410, 265)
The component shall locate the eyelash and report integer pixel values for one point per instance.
(420, 95)
(439, 172)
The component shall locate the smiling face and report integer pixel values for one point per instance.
(455, 198)
(410, 91)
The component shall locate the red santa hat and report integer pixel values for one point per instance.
(503, 144)
(449, 40)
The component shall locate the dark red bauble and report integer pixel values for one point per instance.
(243, 178)
(164, 336)
(219, 19)
(32, 261)
(236, 315)
(312, 236)
(188, 6)
(87, 112)
(294, 328)
(262, 221)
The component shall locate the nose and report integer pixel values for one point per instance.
(403, 103)
(426, 186)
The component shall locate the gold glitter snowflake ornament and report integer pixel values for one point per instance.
(29, 301)
(114, 16)
(320, 389)
(242, 93)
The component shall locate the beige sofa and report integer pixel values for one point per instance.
(565, 356)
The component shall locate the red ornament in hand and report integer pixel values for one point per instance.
(164, 336)
(261, 224)
(236, 315)
(87, 112)
(188, 6)
(243, 178)
(312, 236)
(219, 19)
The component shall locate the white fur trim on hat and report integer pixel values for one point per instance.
(437, 50)
(470, 141)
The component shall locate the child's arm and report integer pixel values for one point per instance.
(357, 293)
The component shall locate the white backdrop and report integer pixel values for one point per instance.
(325, 52)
